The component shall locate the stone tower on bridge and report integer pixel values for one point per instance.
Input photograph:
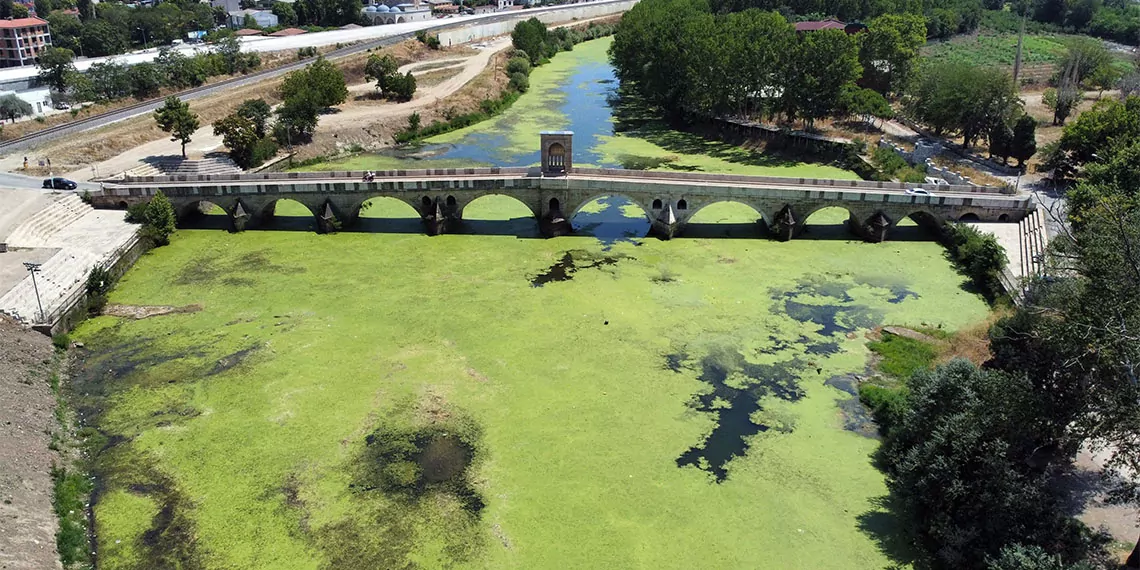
(556, 147)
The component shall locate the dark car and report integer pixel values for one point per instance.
(59, 184)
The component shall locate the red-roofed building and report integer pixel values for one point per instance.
(248, 32)
(852, 28)
(288, 32)
(21, 41)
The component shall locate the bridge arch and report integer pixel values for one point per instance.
(381, 206)
(286, 207)
(465, 213)
(388, 214)
(693, 219)
(646, 209)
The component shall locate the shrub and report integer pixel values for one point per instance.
(519, 82)
(136, 213)
(901, 357)
(978, 256)
(61, 341)
(159, 215)
(263, 150)
(887, 161)
(69, 498)
(518, 65)
(887, 405)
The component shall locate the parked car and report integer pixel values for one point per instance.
(58, 183)
(918, 192)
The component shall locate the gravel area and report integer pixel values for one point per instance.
(27, 523)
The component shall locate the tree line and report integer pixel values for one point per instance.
(976, 457)
(110, 28)
(686, 60)
(111, 81)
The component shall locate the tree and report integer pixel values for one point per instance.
(1018, 557)
(1085, 57)
(19, 11)
(65, 30)
(286, 16)
(867, 104)
(820, 66)
(176, 118)
(296, 120)
(229, 48)
(159, 219)
(321, 81)
(530, 36)
(1024, 143)
(145, 79)
(402, 87)
(258, 112)
(239, 134)
(1062, 101)
(961, 98)
(1104, 77)
(56, 68)
(86, 10)
(380, 69)
(1106, 129)
(888, 51)
(43, 8)
(1001, 142)
(13, 107)
(100, 38)
(964, 463)
(1067, 95)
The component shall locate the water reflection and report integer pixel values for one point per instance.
(611, 219)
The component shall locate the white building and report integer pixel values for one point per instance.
(396, 14)
(264, 18)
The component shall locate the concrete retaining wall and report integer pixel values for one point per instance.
(583, 12)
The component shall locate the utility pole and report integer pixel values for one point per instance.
(34, 268)
(1017, 57)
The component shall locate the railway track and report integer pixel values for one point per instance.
(96, 121)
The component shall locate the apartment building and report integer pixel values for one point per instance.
(21, 41)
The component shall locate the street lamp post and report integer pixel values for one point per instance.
(34, 268)
(143, 30)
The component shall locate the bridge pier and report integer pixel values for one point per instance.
(875, 229)
(785, 225)
(666, 225)
(553, 222)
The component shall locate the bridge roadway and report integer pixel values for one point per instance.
(669, 199)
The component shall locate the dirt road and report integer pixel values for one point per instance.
(27, 522)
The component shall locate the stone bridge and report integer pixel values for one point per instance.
(556, 191)
(782, 206)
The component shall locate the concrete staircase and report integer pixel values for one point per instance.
(84, 238)
(1033, 239)
(40, 229)
(178, 166)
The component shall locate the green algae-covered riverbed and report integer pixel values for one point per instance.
(577, 91)
(392, 400)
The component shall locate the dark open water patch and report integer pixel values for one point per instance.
(737, 388)
(856, 417)
(571, 262)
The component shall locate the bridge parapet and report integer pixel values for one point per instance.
(669, 200)
(536, 172)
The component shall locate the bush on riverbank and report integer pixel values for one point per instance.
(978, 256)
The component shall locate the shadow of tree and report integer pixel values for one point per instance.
(633, 117)
(885, 525)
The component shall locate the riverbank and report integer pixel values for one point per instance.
(577, 91)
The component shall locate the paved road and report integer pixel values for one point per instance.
(398, 33)
(11, 180)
